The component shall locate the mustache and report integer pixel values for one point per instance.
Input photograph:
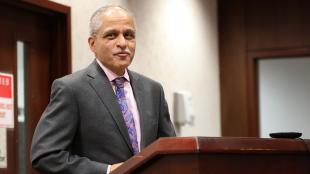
(121, 52)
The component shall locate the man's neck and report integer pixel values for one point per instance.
(111, 74)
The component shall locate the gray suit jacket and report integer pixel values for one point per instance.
(82, 129)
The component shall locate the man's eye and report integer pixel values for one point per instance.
(110, 36)
(129, 36)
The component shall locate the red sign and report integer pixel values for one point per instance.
(6, 86)
(6, 101)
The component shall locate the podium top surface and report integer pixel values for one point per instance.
(216, 145)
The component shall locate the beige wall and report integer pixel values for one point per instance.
(177, 45)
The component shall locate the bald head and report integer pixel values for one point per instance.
(106, 11)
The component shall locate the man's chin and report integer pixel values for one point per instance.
(124, 61)
(124, 58)
(124, 66)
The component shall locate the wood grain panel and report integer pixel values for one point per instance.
(274, 24)
(232, 68)
(263, 27)
(46, 32)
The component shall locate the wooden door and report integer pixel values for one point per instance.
(249, 31)
(28, 50)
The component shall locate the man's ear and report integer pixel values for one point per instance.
(91, 43)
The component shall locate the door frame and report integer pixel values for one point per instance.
(253, 84)
(248, 30)
(60, 57)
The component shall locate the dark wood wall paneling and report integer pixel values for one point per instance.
(39, 15)
(249, 31)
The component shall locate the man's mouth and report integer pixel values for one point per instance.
(122, 54)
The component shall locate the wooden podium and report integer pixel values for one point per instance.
(197, 155)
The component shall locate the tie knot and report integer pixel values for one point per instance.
(119, 82)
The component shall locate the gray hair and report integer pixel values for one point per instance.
(95, 22)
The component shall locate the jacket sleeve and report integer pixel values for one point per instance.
(54, 134)
(165, 126)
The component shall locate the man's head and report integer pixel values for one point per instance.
(112, 37)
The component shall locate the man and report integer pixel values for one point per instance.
(99, 117)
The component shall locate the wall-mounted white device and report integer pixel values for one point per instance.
(183, 108)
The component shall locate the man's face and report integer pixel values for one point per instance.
(114, 44)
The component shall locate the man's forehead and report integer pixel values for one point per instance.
(116, 23)
(117, 30)
(114, 19)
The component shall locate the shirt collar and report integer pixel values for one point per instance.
(110, 74)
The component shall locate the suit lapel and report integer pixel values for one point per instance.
(100, 83)
(137, 88)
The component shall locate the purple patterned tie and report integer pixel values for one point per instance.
(127, 114)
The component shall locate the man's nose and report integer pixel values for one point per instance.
(121, 41)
